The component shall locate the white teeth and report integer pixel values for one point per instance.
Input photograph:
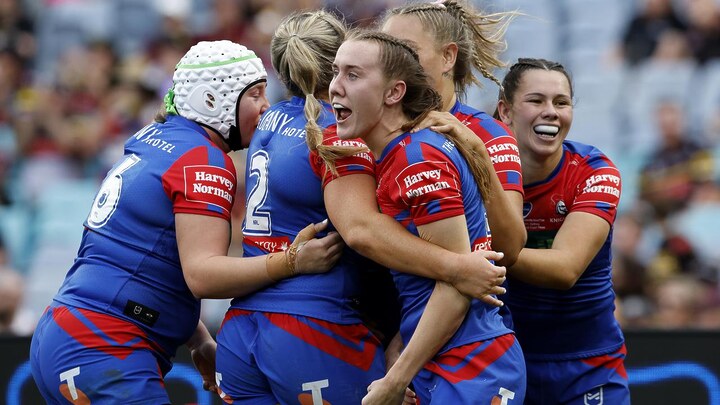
(546, 129)
(338, 105)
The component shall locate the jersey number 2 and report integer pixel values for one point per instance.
(257, 220)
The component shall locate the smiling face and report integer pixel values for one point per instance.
(539, 114)
(357, 89)
(253, 103)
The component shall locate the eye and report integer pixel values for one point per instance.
(352, 76)
(335, 72)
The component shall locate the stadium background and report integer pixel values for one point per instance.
(77, 77)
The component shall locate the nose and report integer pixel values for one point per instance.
(265, 104)
(549, 111)
(335, 87)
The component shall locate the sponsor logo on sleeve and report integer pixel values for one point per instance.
(354, 144)
(210, 185)
(426, 181)
(505, 152)
(603, 184)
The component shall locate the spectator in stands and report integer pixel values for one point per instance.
(704, 29)
(677, 166)
(12, 287)
(644, 30)
(677, 303)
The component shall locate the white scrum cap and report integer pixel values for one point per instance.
(208, 82)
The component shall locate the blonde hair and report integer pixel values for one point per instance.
(302, 50)
(479, 37)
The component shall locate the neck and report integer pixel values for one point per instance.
(387, 129)
(538, 168)
(448, 94)
(217, 139)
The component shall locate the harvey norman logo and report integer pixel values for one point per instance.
(210, 185)
(424, 178)
(603, 183)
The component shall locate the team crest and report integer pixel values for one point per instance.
(527, 207)
(560, 208)
(594, 397)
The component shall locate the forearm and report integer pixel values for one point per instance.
(199, 337)
(546, 268)
(443, 315)
(578, 241)
(385, 241)
(222, 277)
(504, 212)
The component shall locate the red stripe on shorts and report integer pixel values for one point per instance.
(475, 365)
(360, 356)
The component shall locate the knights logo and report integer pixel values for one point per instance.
(560, 208)
(527, 207)
(594, 396)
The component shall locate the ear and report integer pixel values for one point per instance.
(449, 53)
(395, 93)
(503, 110)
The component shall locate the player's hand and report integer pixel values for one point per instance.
(477, 277)
(203, 356)
(446, 123)
(384, 392)
(317, 255)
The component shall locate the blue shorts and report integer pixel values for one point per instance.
(487, 372)
(589, 381)
(81, 356)
(270, 358)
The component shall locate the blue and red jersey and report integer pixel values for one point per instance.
(128, 264)
(499, 141)
(284, 193)
(577, 323)
(423, 178)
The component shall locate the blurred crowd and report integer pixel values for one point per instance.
(77, 77)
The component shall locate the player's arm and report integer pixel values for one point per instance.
(504, 212)
(504, 207)
(352, 207)
(203, 243)
(202, 351)
(577, 242)
(443, 315)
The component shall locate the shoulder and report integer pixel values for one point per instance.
(482, 123)
(588, 154)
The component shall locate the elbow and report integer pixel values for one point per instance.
(358, 239)
(197, 287)
(564, 281)
(510, 256)
(511, 252)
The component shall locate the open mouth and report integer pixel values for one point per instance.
(341, 112)
(546, 130)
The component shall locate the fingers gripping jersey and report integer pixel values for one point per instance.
(422, 178)
(499, 141)
(128, 263)
(579, 322)
(284, 186)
